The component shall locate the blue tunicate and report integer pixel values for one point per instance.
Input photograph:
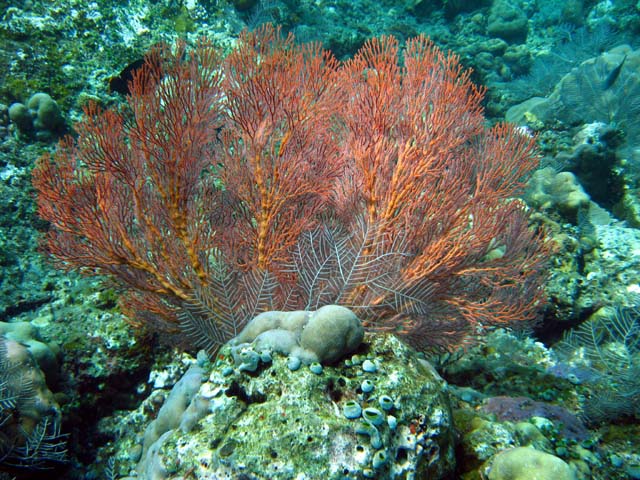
(562, 451)
(293, 363)
(392, 422)
(352, 409)
(226, 371)
(573, 378)
(373, 416)
(385, 402)
(202, 358)
(265, 356)
(316, 368)
(369, 366)
(633, 471)
(379, 459)
(249, 361)
(367, 386)
(616, 460)
(372, 433)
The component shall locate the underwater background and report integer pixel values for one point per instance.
(89, 392)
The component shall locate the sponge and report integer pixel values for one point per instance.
(322, 336)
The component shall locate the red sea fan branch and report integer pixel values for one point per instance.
(128, 198)
(431, 174)
(279, 178)
(279, 156)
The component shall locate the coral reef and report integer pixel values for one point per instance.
(222, 422)
(605, 89)
(526, 463)
(30, 418)
(40, 117)
(71, 49)
(608, 346)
